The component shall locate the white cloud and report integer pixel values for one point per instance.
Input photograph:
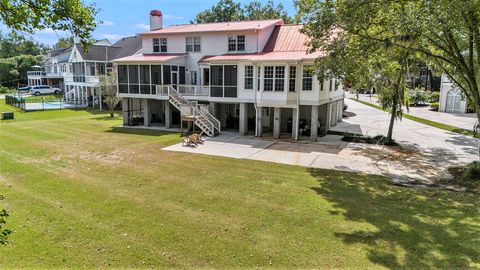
(112, 37)
(143, 26)
(174, 17)
(106, 23)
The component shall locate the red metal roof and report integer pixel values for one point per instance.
(215, 27)
(150, 57)
(285, 43)
(286, 38)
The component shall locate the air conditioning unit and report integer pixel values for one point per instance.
(7, 115)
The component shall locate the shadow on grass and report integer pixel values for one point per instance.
(140, 131)
(412, 228)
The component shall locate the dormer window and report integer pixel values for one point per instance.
(193, 44)
(159, 45)
(236, 43)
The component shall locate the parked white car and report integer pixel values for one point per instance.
(38, 90)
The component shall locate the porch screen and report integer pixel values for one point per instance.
(230, 85)
(166, 75)
(216, 81)
(156, 73)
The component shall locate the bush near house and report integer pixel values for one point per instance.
(434, 97)
(435, 106)
(379, 139)
(418, 97)
(6, 90)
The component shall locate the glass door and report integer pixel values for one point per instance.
(175, 79)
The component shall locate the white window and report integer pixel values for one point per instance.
(193, 44)
(307, 79)
(249, 77)
(292, 79)
(274, 78)
(236, 43)
(159, 45)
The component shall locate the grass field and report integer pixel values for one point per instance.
(84, 193)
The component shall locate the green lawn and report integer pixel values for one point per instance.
(83, 193)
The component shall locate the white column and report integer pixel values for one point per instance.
(168, 114)
(243, 124)
(125, 111)
(146, 113)
(259, 124)
(340, 110)
(276, 123)
(314, 124)
(295, 126)
(329, 116)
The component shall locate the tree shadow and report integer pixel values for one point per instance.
(140, 131)
(407, 227)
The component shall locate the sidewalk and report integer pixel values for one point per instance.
(464, 121)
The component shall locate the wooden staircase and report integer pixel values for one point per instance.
(199, 115)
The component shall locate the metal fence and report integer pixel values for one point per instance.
(37, 103)
(15, 101)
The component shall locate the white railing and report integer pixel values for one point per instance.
(162, 90)
(193, 90)
(36, 73)
(210, 117)
(91, 79)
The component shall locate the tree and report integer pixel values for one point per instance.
(64, 15)
(229, 10)
(223, 11)
(108, 89)
(15, 44)
(63, 43)
(443, 32)
(13, 70)
(255, 11)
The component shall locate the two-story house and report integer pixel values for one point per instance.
(250, 76)
(76, 70)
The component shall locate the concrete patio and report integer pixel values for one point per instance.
(422, 158)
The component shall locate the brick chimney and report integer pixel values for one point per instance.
(156, 20)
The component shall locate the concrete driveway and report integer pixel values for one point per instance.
(452, 147)
(460, 120)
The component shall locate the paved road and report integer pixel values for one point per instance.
(446, 146)
(465, 120)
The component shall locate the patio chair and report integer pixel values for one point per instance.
(188, 142)
(196, 138)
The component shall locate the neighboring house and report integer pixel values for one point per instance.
(76, 71)
(451, 98)
(251, 77)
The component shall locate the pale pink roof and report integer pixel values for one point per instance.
(216, 27)
(265, 56)
(150, 57)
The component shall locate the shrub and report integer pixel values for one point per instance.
(418, 97)
(434, 106)
(467, 176)
(434, 97)
(379, 139)
(6, 90)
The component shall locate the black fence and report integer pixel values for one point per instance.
(15, 101)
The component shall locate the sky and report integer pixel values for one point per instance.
(122, 18)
